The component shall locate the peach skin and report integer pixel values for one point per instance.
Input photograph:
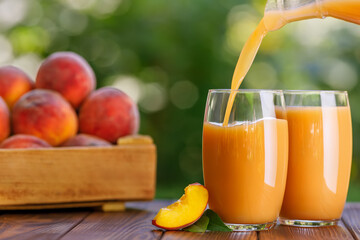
(83, 140)
(44, 114)
(4, 120)
(24, 141)
(69, 74)
(109, 113)
(13, 84)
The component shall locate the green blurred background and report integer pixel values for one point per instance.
(166, 54)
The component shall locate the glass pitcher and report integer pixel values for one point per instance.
(280, 12)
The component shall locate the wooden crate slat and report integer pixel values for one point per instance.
(62, 175)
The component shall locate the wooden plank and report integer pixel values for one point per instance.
(151, 206)
(55, 224)
(134, 223)
(178, 235)
(63, 175)
(351, 218)
(131, 224)
(38, 225)
(285, 232)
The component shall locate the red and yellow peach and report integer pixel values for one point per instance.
(24, 141)
(108, 113)
(4, 120)
(13, 84)
(83, 140)
(69, 74)
(45, 114)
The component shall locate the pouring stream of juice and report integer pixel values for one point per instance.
(348, 10)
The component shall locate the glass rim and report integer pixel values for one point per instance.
(314, 91)
(244, 90)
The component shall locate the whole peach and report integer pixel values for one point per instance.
(109, 114)
(13, 84)
(69, 74)
(82, 140)
(24, 141)
(45, 114)
(4, 120)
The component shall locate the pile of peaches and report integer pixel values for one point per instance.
(62, 107)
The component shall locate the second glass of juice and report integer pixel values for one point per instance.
(320, 152)
(245, 161)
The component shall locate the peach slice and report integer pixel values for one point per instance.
(184, 212)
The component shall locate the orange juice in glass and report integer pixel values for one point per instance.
(245, 161)
(320, 152)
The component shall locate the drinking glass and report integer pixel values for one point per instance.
(245, 162)
(320, 152)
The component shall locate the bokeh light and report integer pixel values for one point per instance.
(153, 97)
(340, 75)
(6, 52)
(72, 22)
(184, 94)
(12, 12)
(128, 84)
(262, 74)
(29, 62)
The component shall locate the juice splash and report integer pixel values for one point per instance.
(348, 10)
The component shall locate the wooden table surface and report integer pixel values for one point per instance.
(135, 223)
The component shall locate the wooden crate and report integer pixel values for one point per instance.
(77, 177)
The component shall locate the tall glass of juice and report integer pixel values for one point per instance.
(245, 161)
(320, 152)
